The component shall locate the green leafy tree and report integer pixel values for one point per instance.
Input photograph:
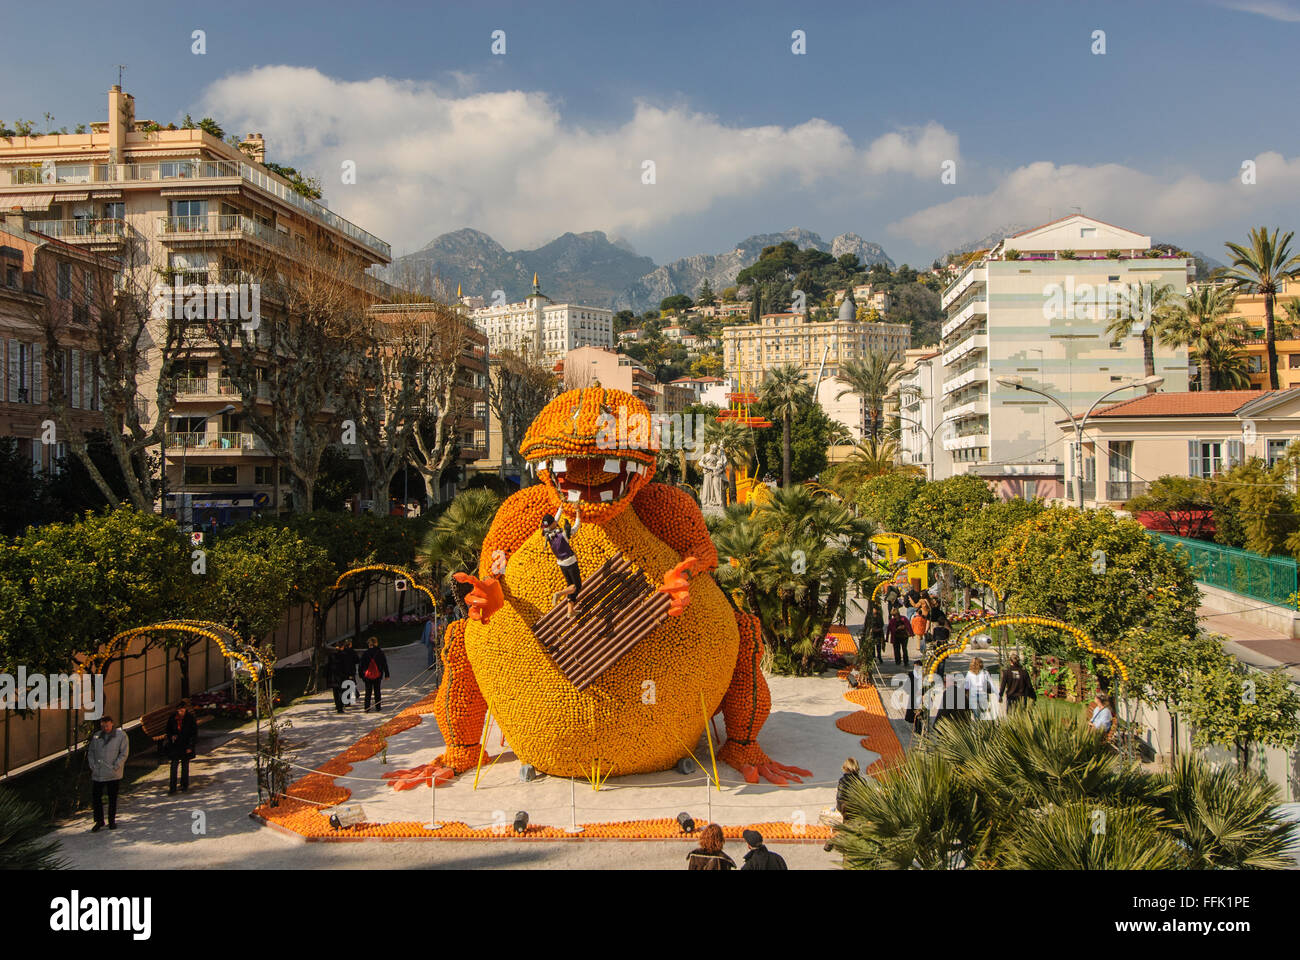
(675, 303)
(941, 508)
(706, 297)
(1184, 503)
(68, 588)
(1231, 705)
(1261, 266)
(1163, 665)
(885, 500)
(1094, 570)
(455, 540)
(974, 541)
(811, 434)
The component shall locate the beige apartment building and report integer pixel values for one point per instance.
(749, 350)
(1250, 308)
(183, 204)
(1186, 434)
(550, 329)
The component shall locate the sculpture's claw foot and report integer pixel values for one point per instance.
(753, 763)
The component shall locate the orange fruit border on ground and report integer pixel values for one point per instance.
(873, 724)
(300, 812)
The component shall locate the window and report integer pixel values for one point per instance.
(1293, 360)
(1087, 231)
(195, 474)
(1254, 364)
(13, 276)
(1204, 458)
(115, 211)
(65, 281)
(176, 168)
(263, 476)
(189, 215)
(1277, 450)
(225, 476)
(88, 285)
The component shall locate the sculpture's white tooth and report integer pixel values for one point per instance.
(575, 496)
(610, 466)
(607, 494)
(558, 466)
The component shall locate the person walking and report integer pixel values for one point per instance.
(921, 624)
(1016, 685)
(374, 671)
(759, 857)
(709, 855)
(106, 754)
(876, 637)
(979, 688)
(341, 668)
(180, 743)
(899, 632)
(916, 713)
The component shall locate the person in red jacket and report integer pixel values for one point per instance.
(899, 632)
(374, 671)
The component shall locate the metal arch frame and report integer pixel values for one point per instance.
(1082, 639)
(231, 644)
(387, 568)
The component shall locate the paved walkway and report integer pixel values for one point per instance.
(209, 826)
(1251, 643)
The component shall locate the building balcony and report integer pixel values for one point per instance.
(974, 408)
(965, 378)
(190, 168)
(966, 441)
(216, 442)
(223, 387)
(978, 341)
(978, 307)
(216, 227)
(100, 233)
(968, 279)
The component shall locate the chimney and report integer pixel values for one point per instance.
(254, 147)
(121, 121)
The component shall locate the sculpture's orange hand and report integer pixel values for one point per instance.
(485, 599)
(678, 586)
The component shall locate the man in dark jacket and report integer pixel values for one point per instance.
(759, 857)
(341, 668)
(374, 670)
(1016, 686)
(180, 743)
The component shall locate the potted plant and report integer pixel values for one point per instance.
(1067, 255)
(1012, 254)
(1113, 254)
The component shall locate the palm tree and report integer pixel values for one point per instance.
(455, 540)
(1142, 307)
(871, 458)
(871, 378)
(1261, 266)
(786, 393)
(1228, 366)
(1086, 836)
(1226, 819)
(25, 843)
(1198, 320)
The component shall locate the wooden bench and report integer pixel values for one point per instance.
(154, 723)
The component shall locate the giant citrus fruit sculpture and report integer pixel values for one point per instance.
(593, 451)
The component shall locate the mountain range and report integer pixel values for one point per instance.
(590, 268)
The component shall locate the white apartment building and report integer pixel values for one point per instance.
(920, 423)
(1037, 307)
(552, 329)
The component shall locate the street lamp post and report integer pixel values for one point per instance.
(185, 449)
(929, 439)
(1079, 424)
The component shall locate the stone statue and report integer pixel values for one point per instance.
(714, 467)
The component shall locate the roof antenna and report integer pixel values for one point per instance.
(120, 68)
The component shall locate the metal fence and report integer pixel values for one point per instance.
(1271, 579)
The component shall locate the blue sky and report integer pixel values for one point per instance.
(746, 136)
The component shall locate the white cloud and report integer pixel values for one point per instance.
(1273, 9)
(1110, 192)
(430, 160)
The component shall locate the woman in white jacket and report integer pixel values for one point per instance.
(106, 755)
(979, 689)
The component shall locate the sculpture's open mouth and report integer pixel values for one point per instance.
(591, 479)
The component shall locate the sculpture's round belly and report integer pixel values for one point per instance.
(641, 715)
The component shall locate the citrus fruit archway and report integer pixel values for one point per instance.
(975, 577)
(397, 572)
(232, 645)
(960, 641)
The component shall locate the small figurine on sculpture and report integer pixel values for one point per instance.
(557, 531)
